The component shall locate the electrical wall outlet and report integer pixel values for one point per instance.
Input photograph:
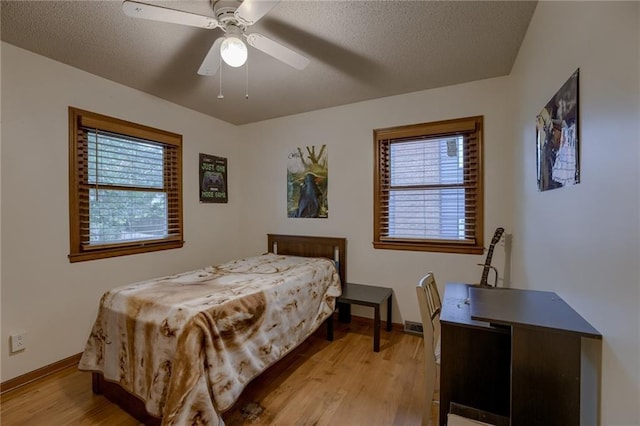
(18, 342)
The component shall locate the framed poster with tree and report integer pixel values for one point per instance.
(307, 176)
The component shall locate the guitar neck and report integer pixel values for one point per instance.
(487, 266)
(487, 263)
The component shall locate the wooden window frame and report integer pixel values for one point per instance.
(80, 250)
(462, 126)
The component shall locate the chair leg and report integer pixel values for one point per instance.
(431, 372)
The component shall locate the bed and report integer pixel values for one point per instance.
(180, 350)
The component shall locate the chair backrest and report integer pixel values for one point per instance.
(428, 289)
(434, 304)
(425, 313)
(430, 305)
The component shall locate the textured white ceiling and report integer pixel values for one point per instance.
(359, 50)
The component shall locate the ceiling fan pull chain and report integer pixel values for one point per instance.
(246, 82)
(220, 95)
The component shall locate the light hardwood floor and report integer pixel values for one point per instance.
(320, 383)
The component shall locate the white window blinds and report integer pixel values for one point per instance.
(126, 192)
(428, 187)
(127, 197)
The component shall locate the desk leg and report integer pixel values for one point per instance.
(545, 379)
(330, 328)
(344, 312)
(376, 329)
(475, 370)
(389, 324)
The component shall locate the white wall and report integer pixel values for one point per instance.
(583, 241)
(55, 301)
(348, 133)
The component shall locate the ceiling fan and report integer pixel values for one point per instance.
(233, 17)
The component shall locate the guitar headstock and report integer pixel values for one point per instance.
(487, 263)
(497, 235)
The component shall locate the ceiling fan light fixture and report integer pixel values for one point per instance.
(233, 51)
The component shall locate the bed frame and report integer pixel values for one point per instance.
(308, 246)
(334, 248)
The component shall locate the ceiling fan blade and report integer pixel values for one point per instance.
(136, 9)
(251, 10)
(211, 62)
(277, 50)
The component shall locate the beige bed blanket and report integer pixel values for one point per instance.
(188, 344)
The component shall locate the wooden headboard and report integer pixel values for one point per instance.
(333, 248)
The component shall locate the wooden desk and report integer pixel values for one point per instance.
(366, 295)
(513, 354)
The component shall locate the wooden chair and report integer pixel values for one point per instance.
(430, 306)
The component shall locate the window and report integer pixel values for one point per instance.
(428, 187)
(125, 191)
